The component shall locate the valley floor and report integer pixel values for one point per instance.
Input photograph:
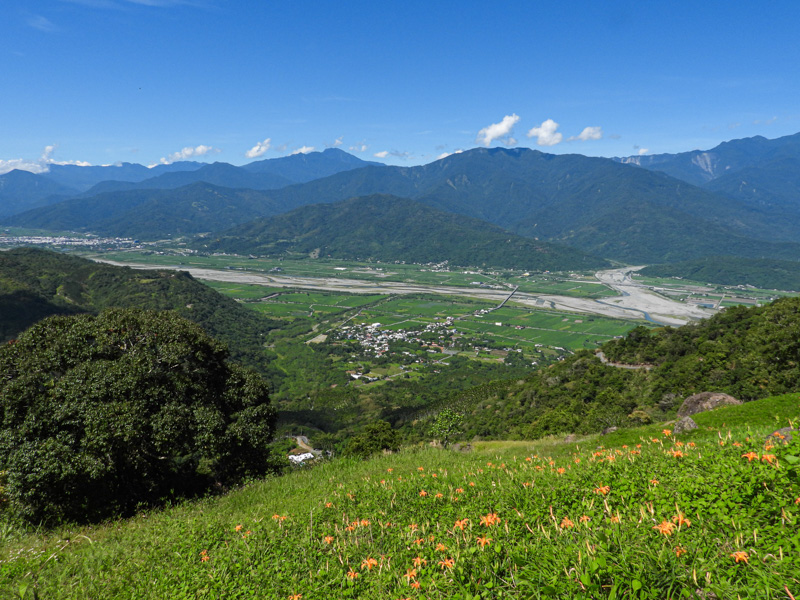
(635, 301)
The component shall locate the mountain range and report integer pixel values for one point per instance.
(388, 228)
(738, 199)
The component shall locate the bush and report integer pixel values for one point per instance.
(102, 413)
(375, 437)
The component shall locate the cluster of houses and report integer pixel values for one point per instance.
(48, 240)
(376, 341)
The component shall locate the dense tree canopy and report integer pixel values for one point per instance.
(101, 413)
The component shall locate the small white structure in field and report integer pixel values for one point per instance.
(300, 458)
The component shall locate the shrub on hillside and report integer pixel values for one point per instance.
(102, 413)
(374, 438)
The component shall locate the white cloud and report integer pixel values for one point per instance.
(304, 150)
(643, 151)
(259, 149)
(765, 121)
(40, 165)
(187, 152)
(497, 131)
(359, 148)
(446, 154)
(338, 142)
(23, 164)
(590, 133)
(395, 153)
(546, 134)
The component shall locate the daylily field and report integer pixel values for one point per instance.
(637, 514)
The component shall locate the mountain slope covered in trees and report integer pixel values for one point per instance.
(750, 353)
(388, 228)
(36, 283)
(766, 273)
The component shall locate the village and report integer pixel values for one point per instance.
(415, 346)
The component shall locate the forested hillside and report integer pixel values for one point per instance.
(764, 273)
(749, 353)
(37, 283)
(388, 228)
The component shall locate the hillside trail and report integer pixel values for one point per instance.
(605, 361)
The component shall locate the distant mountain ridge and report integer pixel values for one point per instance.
(153, 214)
(698, 167)
(21, 190)
(388, 228)
(596, 205)
(62, 182)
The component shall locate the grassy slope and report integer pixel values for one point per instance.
(734, 505)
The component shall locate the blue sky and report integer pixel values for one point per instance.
(149, 81)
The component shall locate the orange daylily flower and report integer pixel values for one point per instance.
(295, 596)
(459, 490)
(238, 528)
(566, 523)
(740, 556)
(483, 541)
(680, 551)
(204, 557)
(750, 456)
(441, 547)
(666, 432)
(654, 482)
(665, 527)
(603, 489)
(419, 561)
(328, 539)
(368, 563)
(585, 518)
(770, 458)
(447, 563)
(365, 522)
(461, 524)
(415, 585)
(423, 493)
(439, 495)
(352, 574)
(490, 520)
(681, 520)
(410, 574)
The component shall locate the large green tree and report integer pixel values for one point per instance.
(99, 414)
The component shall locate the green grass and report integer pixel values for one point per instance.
(545, 519)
